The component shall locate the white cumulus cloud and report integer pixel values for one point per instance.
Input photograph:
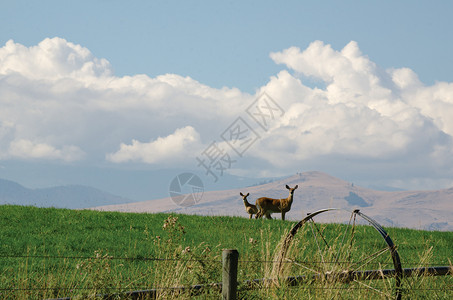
(51, 59)
(180, 144)
(30, 150)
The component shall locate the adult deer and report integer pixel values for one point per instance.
(268, 205)
(249, 208)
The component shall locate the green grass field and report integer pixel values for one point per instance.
(48, 253)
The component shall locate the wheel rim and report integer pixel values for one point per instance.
(333, 253)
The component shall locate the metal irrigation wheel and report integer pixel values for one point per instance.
(344, 256)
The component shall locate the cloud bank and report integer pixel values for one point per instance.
(60, 102)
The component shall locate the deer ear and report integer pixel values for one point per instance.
(287, 186)
(241, 194)
(296, 186)
(248, 194)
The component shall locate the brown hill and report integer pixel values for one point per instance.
(429, 210)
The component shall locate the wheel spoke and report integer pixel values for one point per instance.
(317, 244)
(344, 235)
(370, 258)
(373, 289)
(320, 233)
(305, 267)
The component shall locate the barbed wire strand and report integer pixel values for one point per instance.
(206, 287)
(208, 260)
(109, 257)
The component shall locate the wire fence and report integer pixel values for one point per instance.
(246, 261)
(448, 288)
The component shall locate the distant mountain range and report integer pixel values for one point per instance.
(68, 196)
(428, 210)
(135, 184)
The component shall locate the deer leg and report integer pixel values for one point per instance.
(258, 214)
(251, 215)
(268, 215)
(283, 216)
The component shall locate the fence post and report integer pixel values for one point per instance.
(229, 273)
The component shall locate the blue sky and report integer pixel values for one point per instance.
(365, 86)
(228, 43)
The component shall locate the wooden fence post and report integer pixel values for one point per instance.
(229, 273)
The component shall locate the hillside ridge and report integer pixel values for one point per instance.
(429, 210)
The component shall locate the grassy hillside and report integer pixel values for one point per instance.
(47, 252)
